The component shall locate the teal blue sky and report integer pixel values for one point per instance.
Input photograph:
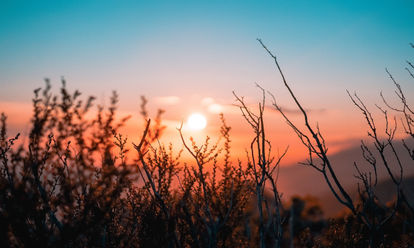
(203, 48)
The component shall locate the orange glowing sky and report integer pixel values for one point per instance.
(189, 57)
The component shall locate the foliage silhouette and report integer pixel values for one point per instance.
(74, 182)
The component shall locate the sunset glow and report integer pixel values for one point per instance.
(196, 121)
(183, 123)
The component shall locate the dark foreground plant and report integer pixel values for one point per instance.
(369, 216)
(73, 183)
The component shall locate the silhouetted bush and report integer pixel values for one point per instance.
(72, 182)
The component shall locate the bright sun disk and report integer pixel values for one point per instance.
(196, 121)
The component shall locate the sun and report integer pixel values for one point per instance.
(196, 121)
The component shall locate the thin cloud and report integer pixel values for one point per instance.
(212, 106)
(215, 108)
(293, 111)
(168, 100)
(206, 101)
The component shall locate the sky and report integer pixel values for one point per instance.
(189, 56)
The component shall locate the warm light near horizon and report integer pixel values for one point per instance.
(196, 121)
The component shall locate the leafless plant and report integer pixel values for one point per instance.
(261, 167)
(318, 159)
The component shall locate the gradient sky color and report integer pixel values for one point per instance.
(186, 56)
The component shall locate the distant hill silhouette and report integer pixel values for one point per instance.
(302, 180)
(385, 191)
